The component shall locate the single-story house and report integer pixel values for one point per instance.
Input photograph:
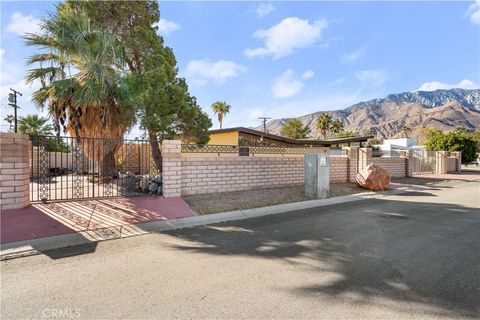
(241, 136)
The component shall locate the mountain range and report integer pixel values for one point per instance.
(444, 109)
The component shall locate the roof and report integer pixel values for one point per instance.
(292, 141)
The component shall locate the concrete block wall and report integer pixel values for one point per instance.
(394, 165)
(172, 168)
(441, 162)
(454, 162)
(14, 171)
(187, 175)
(212, 175)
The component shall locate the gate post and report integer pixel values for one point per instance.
(352, 167)
(408, 163)
(14, 170)
(171, 168)
(441, 162)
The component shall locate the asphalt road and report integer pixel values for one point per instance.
(414, 255)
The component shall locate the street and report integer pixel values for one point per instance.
(414, 255)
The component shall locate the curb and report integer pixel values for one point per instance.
(36, 246)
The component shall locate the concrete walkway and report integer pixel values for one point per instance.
(60, 218)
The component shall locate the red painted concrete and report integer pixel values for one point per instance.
(56, 218)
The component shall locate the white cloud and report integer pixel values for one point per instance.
(166, 27)
(353, 56)
(20, 24)
(435, 85)
(288, 84)
(264, 8)
(291, 33)
(308, 74)
(374, 78)
(474, 12)
(200, 71)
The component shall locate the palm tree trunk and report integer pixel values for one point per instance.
(156, 153)
(108, 168)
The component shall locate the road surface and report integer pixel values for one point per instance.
(414, 255)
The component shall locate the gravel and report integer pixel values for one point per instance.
(240, 200)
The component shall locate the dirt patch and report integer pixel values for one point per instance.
(240, 200)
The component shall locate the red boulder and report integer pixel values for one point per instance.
(374, 178)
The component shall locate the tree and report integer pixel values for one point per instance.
(221, 109)
(405, 131)
(323, 123)
(80, 72)
(33, 125)
(294, 129)
(337, 126)
(10, 120)
(346, 134)
(458, 140)
(153, 72)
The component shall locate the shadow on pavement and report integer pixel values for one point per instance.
(428, 254)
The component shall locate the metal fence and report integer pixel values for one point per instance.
(63, 168)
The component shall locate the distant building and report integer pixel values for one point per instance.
(394, 147)
(240, 136)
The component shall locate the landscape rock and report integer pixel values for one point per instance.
(374, 178)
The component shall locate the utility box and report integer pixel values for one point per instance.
(317, 175)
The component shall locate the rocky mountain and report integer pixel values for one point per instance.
(444, 109)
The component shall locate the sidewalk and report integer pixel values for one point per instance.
(60, 218)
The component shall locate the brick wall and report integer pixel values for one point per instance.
(211, 175)
(187, 174)
(14, 171)
(395, 166)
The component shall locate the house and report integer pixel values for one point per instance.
(241, 136)
(394, 147)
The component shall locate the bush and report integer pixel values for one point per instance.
(461, 139)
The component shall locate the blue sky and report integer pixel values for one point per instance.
(283, 59)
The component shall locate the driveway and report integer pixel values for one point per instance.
(414, 255)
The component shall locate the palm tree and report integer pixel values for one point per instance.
(221, 109)
(294, 129)
(323, 123)
(81, 83)
(9, 119)
(33, 125)
(337, 126)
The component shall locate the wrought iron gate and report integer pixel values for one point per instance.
(69, 168)
(423, 161)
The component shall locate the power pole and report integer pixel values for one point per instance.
(264, 120)
(12, 98)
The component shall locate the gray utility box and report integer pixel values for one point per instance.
(317, 175)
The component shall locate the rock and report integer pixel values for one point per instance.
(374, 178)
(157, 179)
(143, 184)
(153, 187)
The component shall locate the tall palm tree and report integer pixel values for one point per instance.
(323, 123)
(34, 125)
(337, 126)
(80, 72)
(9, 119)
(221, 109)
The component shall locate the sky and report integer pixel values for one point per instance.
(285, 59)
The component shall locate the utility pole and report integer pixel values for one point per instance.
(12, 98)
(264, 120)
